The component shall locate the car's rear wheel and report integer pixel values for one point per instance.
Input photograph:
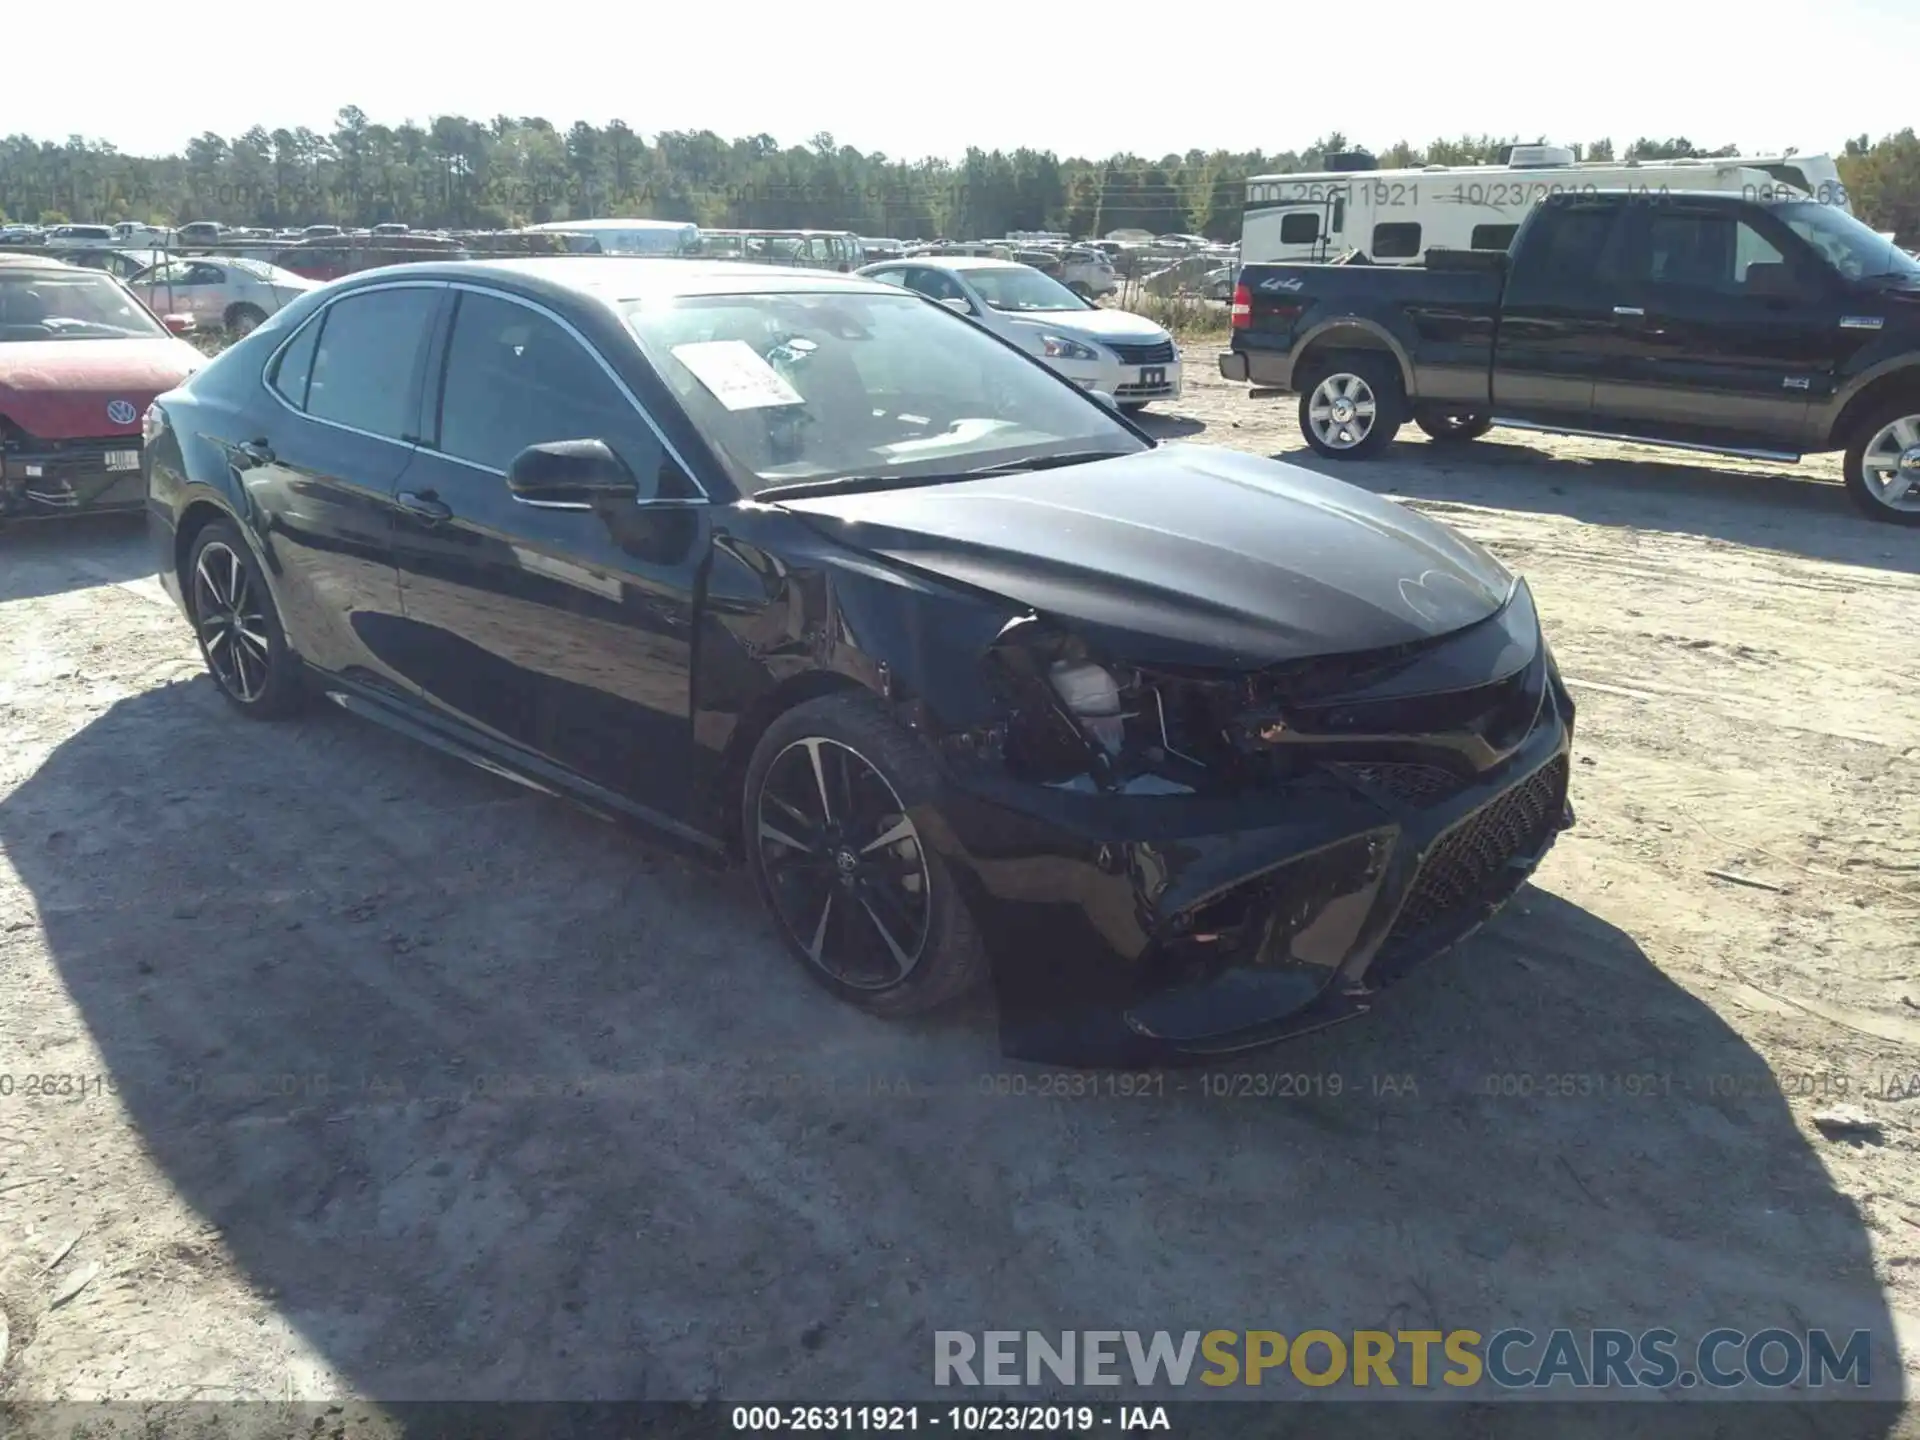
(234, 619)
(828, 822)
(1353, 407)
(245, 319)
(1453, 425)
(1882, 467)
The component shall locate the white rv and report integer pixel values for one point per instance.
(1393, 217)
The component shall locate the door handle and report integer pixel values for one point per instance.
(425, 506)
(1629, 312)
(254, 452)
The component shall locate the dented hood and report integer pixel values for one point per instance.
(61, 389)
(1185, 554)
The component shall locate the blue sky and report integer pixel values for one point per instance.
(914, 80)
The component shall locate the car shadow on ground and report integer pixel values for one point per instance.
(495, 1100)
(1770, 509)
(50, 557)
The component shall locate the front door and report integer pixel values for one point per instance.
(565, 634)
(1726, 329)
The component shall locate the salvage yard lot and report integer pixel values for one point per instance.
(389, 1078)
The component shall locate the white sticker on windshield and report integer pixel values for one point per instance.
(737, 376)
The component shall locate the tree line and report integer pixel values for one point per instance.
(459, 173)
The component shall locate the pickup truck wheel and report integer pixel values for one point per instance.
(1453, 425)
(1354, 410)
(1883, 464)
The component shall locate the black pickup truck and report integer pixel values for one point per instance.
(1705, 321)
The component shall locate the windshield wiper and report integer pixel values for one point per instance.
(854, 484)
(1042, 462)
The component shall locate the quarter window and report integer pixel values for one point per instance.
(515, 378)
(296, 365)
(365, 363)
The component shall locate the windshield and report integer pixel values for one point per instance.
(820, 387)
(85, 305)
(1850, 247)
(1019, 288)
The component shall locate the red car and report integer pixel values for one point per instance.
(80, 361)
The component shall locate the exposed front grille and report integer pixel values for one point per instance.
(65, 474)
(1159, 353)
(1415, 785)
(1469, 865)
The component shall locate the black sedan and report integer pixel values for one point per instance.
(1187, 750)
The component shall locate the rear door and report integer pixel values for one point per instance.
(1727, 328)
(1557, 330)
(334, 443)
(565, 633)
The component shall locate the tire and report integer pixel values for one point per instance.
(238, 627)
(905, 907)
(1453, 426)
(1361, 380)
(244, 319)
(1884, 456)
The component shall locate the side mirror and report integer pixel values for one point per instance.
(178, 324)
(570, 475)
(957, 305)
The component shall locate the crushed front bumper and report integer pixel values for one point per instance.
(41, 479)
(1148, 929)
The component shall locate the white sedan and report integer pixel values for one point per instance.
(231, 294)
(1125, 356)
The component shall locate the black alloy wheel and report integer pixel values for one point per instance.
(829, 832)
(237, 626)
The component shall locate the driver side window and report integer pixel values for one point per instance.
(516, 378)
(935, 284)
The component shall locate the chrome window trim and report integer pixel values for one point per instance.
(273, 360)
(659, 434)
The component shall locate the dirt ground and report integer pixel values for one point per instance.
(375, 1076)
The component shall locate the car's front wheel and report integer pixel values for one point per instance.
(234, 619)
(1882, 466)
(829, 827)
(1353, 408)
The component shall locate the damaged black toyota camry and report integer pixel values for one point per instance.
(1183, 750)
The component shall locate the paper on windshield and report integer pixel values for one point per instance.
(735, 373)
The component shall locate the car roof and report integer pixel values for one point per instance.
(965, 262)
(620, 277)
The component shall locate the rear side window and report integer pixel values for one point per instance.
(1568, 244)
(1493, 237)
(369, 352)
(291, 372)
(1300, 228)
(1397, 241)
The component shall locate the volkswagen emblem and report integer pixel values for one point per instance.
(121, 412)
